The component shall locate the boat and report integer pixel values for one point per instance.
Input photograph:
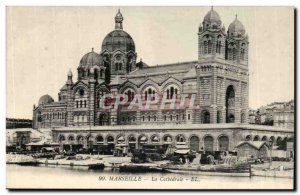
(28, 163)
(97, 166)
(273, 173)
(241, 170)
(140, 167)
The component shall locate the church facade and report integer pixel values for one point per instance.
(219, 80)
(217, 83)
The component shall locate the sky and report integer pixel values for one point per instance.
(44, 43)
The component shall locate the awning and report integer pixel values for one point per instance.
(182, 146)
(48, 149)
(121, 145)
(121, 138)
(54, 144)
(182, 151)
(168, 139)
(155, 138)
(144, 138)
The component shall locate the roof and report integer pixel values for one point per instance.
(39, 143)
(89, 60)
(163, 68)
(236, 28)
(161, 73)
(117, 80)
(256, 144)
(118, 40)
(45, 99)
(212, 16)
(190, 74)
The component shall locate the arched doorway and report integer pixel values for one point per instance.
(155, 139)
(223, 143)
(208, 143)
(194, 143)
(248, 138)
(264, 138)
(243, 118)
(110, 144)
(103, 119)
(256, 138)
(219, 117)
(167, 142)
(142, 140)
(205, 117)
(131, 143)
(230, 104)
(272, 139)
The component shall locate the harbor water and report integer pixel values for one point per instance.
(58, 177)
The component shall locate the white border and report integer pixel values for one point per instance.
(5, 3)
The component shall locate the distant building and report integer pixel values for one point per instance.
(279, 114)
(284, 117)
(12, 123)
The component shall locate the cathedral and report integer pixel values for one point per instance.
(217, 82)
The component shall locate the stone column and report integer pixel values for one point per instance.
(223, 101)
(214, 97)
(70, 105)
(91, 118)
(237, 104)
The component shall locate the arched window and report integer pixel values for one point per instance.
(209, 48)
(172, 91)
(218, 116)
(99, 139)
(149, 92)
(180, 138)
(207, 45)
(85, 103)
(231, 51)
(120, 66)
(96, 75)
(116, 64)
(219, 44)
(243, 118)
(130, 95)
(243, 50)
(205, 117)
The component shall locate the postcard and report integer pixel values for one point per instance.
(150, 98)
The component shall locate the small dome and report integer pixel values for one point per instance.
(45, 99)
(212, 18)
(89, 60)
(118, 40)
(70, 74)
(119, 17)
(236, 28)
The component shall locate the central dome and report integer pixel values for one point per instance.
(118, 39)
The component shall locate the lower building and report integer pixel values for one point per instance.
(199, 137)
